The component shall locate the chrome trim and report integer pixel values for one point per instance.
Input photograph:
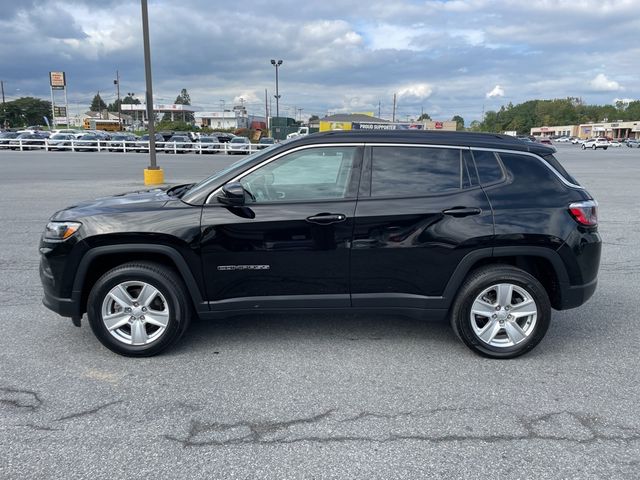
(547, 164)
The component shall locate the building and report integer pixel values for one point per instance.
(345, 121)
(558, 130)
(229, 119)
(104, 115)
(594, 129)
(139, 110)
(610, 129)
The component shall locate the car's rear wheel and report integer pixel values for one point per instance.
(138, 309)
(501, 312)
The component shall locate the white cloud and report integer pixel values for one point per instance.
(497, 91)
(247, 97)
(417, 90)
(602, 84)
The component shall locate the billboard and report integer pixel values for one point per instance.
(57, 80)
(386, 126)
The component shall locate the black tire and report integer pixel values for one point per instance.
(168, 284)
(605, 148)
(476, 283)
(584, 147)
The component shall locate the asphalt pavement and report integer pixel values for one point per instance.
(314, 396)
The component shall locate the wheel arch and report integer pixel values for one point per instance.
(542, 263)
(99, 260)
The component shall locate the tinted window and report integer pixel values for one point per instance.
(488, 166)
(313, 174)
(413, 171)
(561, 170)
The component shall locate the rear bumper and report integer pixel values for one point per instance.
(573, 296)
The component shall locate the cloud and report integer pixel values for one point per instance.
(626, 101)
(602, 84)
(497, 91)
(338, 54)
(419, 91)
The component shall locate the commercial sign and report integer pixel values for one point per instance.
(386, 126)
(57, 80)
(60, 111)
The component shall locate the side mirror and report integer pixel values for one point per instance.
(234, 194)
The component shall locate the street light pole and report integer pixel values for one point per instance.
(277, 95)
(152, 175)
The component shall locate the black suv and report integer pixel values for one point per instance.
(485, 230)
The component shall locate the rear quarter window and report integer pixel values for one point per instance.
(488, 166)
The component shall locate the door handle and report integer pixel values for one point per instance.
(462, 211)
(327, 218)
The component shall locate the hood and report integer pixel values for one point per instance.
(124, 202)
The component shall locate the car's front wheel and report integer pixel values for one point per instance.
(501, 312)
(138, 309)
(584, 147)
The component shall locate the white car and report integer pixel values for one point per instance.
(239, 145)
(577, 141)
(615, 143)
(595, 143)
(563, 139)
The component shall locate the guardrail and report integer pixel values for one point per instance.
(130, 146)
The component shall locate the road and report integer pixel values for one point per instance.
(314, 396)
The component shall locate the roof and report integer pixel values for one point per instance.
(352, 117)
(433, 137)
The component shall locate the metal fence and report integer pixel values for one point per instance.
(130, 146)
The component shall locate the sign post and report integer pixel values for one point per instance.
(58, 81)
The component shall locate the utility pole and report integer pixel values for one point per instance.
(393, 118)
(300, 113)
(152, 175)
(379, 104)
(4, 111)
(117, 84)
(266, 110)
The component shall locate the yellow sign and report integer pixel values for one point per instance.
(327, 126)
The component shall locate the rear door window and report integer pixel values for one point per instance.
(417, 171)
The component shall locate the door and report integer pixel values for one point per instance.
(289, 245)
(419, 213)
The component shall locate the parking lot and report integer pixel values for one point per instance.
(318, 396)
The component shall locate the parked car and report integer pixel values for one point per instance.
(547, 141)
(88, 142)
(483, 230)
(6, 137)
(179, 144)
(61, 141)
(142, 145)
(28, 141)
(119, 141)
(615, 143)
(577, 141)
(210, 144)
(563, 139)
(595, 143)
(239, 145)
(633, 142)
(265, 142)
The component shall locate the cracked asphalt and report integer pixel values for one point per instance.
(314, 396)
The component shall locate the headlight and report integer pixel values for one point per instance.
(59, 231)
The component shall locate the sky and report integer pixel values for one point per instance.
(444, 58)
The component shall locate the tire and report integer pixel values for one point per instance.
(583, 147)
(148, 327)
(604, 148)
(502, 339)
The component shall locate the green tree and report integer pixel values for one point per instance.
(26, 111)
(313, 118)
(183, 98)
(424, 118)
(97, 104)
(459, 122)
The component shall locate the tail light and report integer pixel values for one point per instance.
(585, 213)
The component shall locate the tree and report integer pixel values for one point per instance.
(459, 122)
(182, 99)
(424, 117)
(313, 118)
(26, 111)
(97, 104)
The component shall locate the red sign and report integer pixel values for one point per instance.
(438, 125)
